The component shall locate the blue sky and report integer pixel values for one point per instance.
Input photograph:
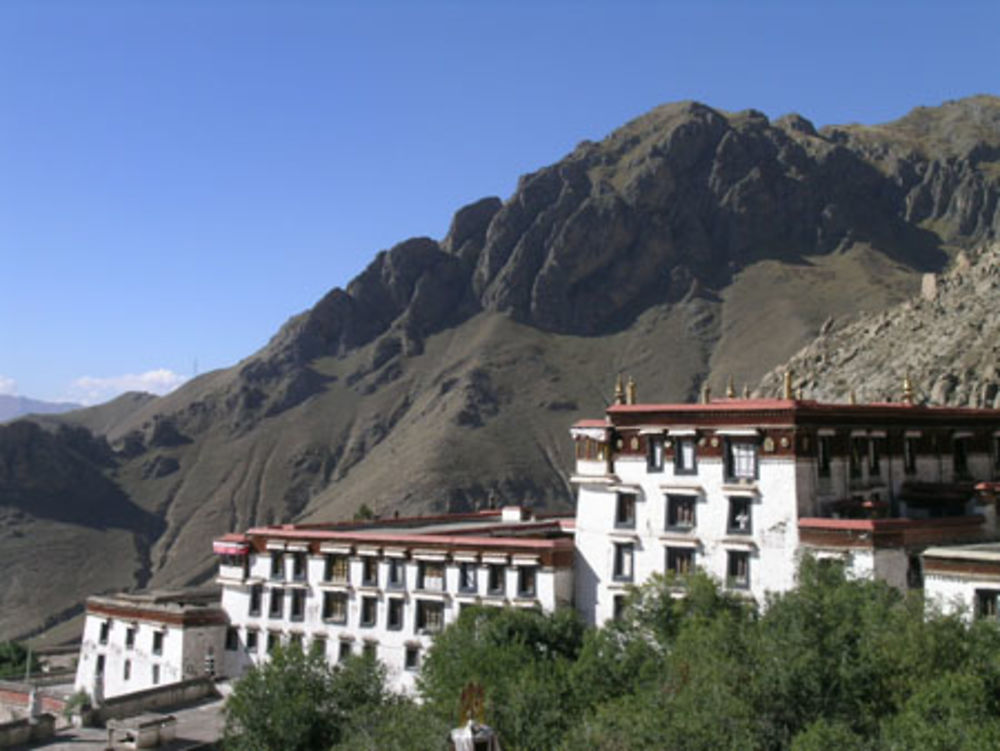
(178, 178)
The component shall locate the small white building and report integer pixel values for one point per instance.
(385, 587)
(964, 579)
(136, 641)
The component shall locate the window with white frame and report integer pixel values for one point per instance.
(685, 456)
(741, 459)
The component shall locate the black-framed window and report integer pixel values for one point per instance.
(430, 575)
(824, 454)
(624, 562)
(496, 579)
(910, 446)
(412, 658)
(394, 615)
(99, 666)
(397, 573)
(276, 606)
(273, 641)
(467, 577)
(625, 511)
(295, 640)
(130, 637)
(914, 572)
(335, 607)
(681, 511)
(256, 595)
(345, 650)
(740, 459)
(654, 453)
(996, 456)
(738, 569)
(527, 581)
(369, 571)
(298, 604)
(277, 564)
(105, 631)
(370, 649)
(299, 566)
(127, 670)
(618, 607)
(859, 450)
(876, 450)
(685, 456)
(369, 611)
(337, 568)
(252, 638)
(158, 639)
(232, 639)
(960, 457)
(318, 645)
(680, 561)
(739, 520)
(430, 616)
(155, 675)
(987, 601)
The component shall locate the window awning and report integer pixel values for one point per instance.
(224, 547)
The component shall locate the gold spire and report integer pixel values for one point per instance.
(730, 389)
(706, 393)
(798, 393)
(619, 390)
(630, 391)
(907, 389)
(788, 384)
(851, 398)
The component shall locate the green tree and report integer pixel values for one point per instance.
(13, 661)
(298, 702)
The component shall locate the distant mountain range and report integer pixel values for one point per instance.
(17, 406)
(688, 246)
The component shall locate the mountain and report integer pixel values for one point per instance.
(946, 341)
(689, 245)
(12, 407)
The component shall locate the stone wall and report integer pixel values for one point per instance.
(22, 731)
(169, 695)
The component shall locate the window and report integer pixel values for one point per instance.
(345, 651)
(625, 511)
(232, 639)
(467, 577)
(370, 649)
(986, 603)
(824, 453)
(336, 569)
(335, 607)
(369, 571)
(960, 457)
(394, 620)
(252, 640)
(295, 641)
(618, 607)
(318, 646)
(397, 573)
(738, 570)
(298, 604)
(685, 459)
(624, 553)
(127, 670)
(158, 642)
(739, 520)
(680, 511)
(496, 580)
(526, 581)
(430, 575)
(654, 454)
(680, 561)
(430, 617)
(273, 640)
(277, 609)
(876, 448)
(299, 566)
(369, 609)
(130, 637)
(99, 667)
(156, 674)
(910, 455)
(412, 659)
(105, 631)
(255, 597)
(741, 460)
(277, 565)
(859, 448)
(914, 573)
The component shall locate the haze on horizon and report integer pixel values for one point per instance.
(182, 177)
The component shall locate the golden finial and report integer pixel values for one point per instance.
(630, 391)
(619, 390)
(746, 391)
(851, 398)
(907, 389)
(730, 389)
(706, 393)
(798, 393)
(788, 384)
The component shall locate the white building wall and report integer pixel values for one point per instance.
(956, 594)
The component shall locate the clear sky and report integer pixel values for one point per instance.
(178, 178)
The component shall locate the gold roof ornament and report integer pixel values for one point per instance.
(730, 389)
(706, 393)
(851, 398)
(798, 393)
(746, 391)
(788, 384)
(619, 390)
(907, 389)
(630, 391)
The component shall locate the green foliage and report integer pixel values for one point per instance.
(79, 701)
(13, 660)
(398, 723)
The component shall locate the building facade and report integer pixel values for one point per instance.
(132, 642)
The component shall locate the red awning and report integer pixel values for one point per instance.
(225, 547)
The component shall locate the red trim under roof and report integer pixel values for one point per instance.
(458, 541)
(591, 423)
